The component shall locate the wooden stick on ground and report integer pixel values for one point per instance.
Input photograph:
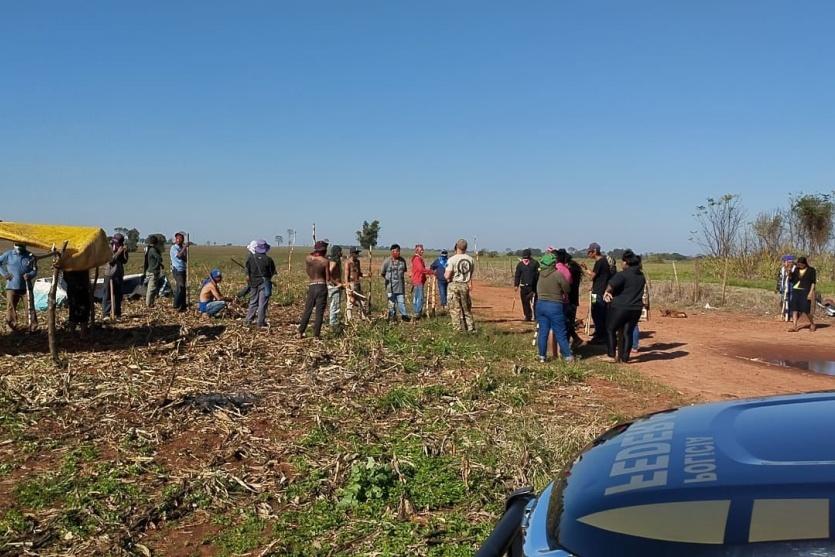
(53, 289)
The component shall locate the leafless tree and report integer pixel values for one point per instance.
(769, 229)
(720, 221)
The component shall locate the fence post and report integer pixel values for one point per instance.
(724, 281)
(696, 273)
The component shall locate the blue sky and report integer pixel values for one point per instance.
(530, 123)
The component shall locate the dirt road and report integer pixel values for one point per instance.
(710, 355)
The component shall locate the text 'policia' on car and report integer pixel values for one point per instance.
(748, 477)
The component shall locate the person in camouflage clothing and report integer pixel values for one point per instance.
(459, 274)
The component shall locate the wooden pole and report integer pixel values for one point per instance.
(53, 289)
(370, 276)
(725, 280)
(314, 232)
(696, 282)
(678, 286)
(112, 298)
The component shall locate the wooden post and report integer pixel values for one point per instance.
(370, 276)
(678, 286)
(696, 272)
(314, 233)
(53, 289)
(112, 294)
(725, 280)
(93, 295)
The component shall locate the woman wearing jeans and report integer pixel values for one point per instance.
(552, 292)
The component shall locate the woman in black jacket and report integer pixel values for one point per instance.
(802, 281)
(624, 294)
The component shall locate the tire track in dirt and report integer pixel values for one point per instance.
(707, 356)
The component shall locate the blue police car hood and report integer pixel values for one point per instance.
(687, 481)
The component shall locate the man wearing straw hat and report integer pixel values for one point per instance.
(19, 267)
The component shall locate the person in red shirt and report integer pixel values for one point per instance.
(419, 273)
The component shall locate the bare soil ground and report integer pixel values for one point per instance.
(707, 356)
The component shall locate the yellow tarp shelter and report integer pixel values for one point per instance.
(87, 248)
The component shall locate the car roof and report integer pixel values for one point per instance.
(695, 480)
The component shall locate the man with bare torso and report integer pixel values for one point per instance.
(316, 266)
(211, 300)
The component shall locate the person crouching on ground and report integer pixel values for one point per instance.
(552, 291)
(211, 300)
(459, 273)
(19, 267)
(624, 293)
(260, 270)
(316, 266)
(524, 281)
(439, 267)
(803, 280)
(393, 272)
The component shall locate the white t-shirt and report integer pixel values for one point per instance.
(462, 266)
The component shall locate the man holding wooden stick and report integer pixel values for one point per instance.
(353, 276)
(114, 275)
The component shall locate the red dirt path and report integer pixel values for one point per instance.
(707, 355)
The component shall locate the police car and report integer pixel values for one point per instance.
(748, 477)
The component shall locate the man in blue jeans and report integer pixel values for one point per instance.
(439, 268)
(179, 256)
(394, 273)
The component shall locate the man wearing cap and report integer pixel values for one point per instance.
(524, 282)
(353, 276)
(152, 270)
(316, 266)
(599, 275)
(114, 275)
(260, 270)
(439, 268)
(459, 273)
(179, 256)
(211, 300)
(394, 272)
(784, 286)
(19, 267)
(419, 274)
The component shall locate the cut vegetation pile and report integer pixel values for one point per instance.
(169, 436)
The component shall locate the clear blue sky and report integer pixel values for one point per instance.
(532, 123)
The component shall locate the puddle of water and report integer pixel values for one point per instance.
(826, 367)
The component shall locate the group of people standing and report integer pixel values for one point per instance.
(328, 283)
(549, 291)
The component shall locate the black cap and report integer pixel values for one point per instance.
(526, 253)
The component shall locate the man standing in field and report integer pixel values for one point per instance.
(152, 270)
(179, 256)
(19, 267)
(524, 281)
(439, 268)
(316, 266)
(459, 274)
(599, 275)
(260, 270)
(114, 276)
(419, 274)
(335, 288)
(353, 277)
(393, 272)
